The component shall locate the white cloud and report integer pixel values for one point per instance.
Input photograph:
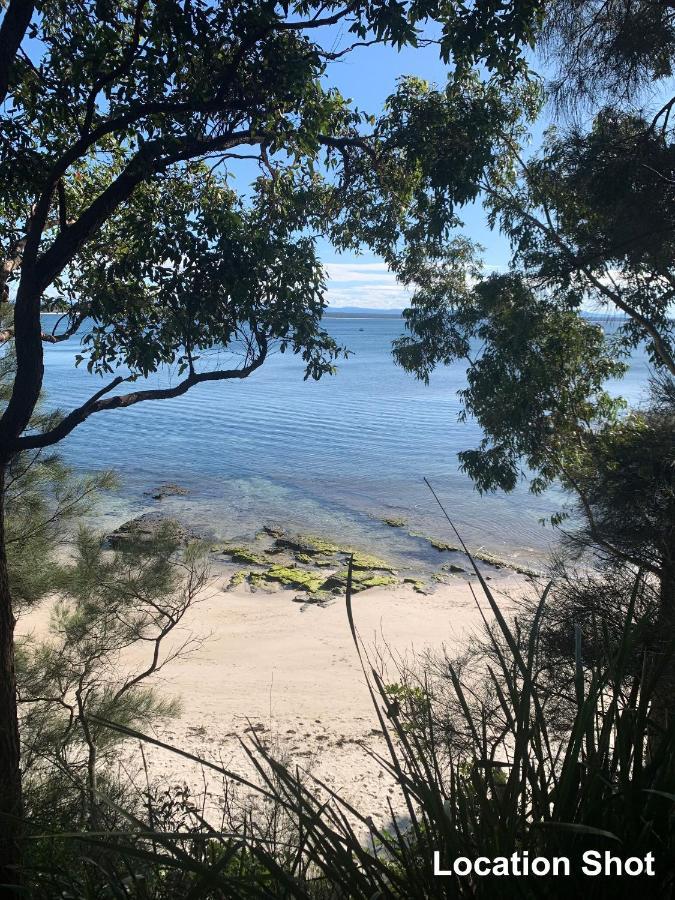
(356, 269)
(368, 284)
(365, 284)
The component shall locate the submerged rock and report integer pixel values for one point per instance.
(167, 489)
(499, 563)
(274, 530)
(150, 526)
(393, 522)
(442, 546)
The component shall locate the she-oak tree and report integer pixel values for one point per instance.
(120, 122)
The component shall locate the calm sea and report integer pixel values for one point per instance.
(332, 457)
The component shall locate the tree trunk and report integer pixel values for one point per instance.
(10, 771)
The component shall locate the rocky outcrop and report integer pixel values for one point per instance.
(361, 581)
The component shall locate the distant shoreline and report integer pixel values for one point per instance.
(355, 312)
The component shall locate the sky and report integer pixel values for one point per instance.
(368, 76)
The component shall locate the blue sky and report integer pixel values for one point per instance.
(368, 76)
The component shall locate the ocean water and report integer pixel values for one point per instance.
(331, 457)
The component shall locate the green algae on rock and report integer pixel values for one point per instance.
(310, 554)
(394, 523)
(308, 544)
(291, 576)
(246, 556)
(499, 563)
(322, 562)
(304, 558)
(238, 578)
(366, 561)
(361, 580)
(258, 580)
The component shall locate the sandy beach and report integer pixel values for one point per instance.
(291, 672)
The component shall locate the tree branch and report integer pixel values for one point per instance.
(9, 265)
(45, 268)
(143, 165)
(62, 207)
(596, 533)
(121, 69)
(317, 23)
(579, 264)
(12, 31)
(99, 403)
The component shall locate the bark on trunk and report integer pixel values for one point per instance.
(10, 771)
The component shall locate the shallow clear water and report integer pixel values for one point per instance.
(330, 457)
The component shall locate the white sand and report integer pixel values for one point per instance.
(293, 674)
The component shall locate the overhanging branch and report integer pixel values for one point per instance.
(99, 402)
(140, 167)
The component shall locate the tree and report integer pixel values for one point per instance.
(606, 50)
(111, 110)
(108, 604)
(589, 215)
(105, 603)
